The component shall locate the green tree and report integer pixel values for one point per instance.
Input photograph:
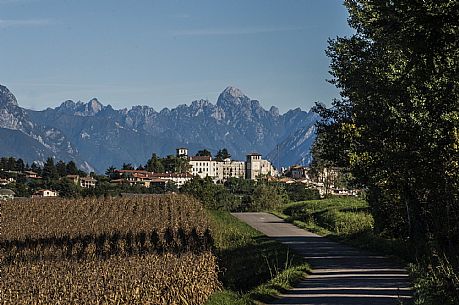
(61, 168)
(267, 197)
(127, 166)
(155, 164)
(11, 163)
(203, 189)
(174, 164)
(396, 126)
(222, 154)
(3, 163)
(204, 153)
(49, 170)
(298, 192)
(71, 168)
(240, 186)
(35, 168)
(20, 165)
(67, 188)
(110, 171)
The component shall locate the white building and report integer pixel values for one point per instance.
(230, 168)
(182, 152)
(45, 193)
(256, 167)
(88, 182)
(6, 194)
(178, 178)
(204, 166)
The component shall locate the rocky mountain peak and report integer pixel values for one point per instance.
(233, 92)
(200, 104)
(91, 108)
(69, 104)
(231, 96)
(6, 97)
(274, 111)
(94, 106)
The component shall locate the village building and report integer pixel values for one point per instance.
(74, 178)
(132, 177)
(6, 194)
(298, 172)
(31, 175)
(220, 171)
(145, 178)
(84, 182)
(178, 178)
(228, 168)
(256, 167)
(182, 152)
(203, 166)
(88, 182)
(4, 181)
(45, 193)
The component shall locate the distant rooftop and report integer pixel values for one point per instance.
(6, 192)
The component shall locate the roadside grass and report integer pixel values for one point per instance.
(253, 267)
(344, 219)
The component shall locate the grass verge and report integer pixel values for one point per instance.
(253, 267)
(343, 219)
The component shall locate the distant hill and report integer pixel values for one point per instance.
(97, 136)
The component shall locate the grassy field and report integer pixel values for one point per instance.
(252, 266)
(345, 219)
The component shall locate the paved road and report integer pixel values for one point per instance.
(341, 274)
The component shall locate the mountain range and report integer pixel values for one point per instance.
(98, 136)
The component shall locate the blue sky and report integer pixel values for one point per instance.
(166, 53)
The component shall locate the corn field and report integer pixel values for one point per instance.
(140, 250)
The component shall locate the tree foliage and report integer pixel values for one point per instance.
(204, 153)
(154, 164)
(396, 125)
(49, 170)
(222, 154)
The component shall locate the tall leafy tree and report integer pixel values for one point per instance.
(61, 168)
(127, 166)
(204, 153)
(49, 170)
(396, 125)
(71, 168)
(155, 164)
(35, 168)
(222, 154)
(11, 165)
(20, 165)
(110, 171)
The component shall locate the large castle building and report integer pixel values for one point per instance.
(204, 166)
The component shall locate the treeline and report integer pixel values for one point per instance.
(396, 128)
(52, 176)
(238, 194)
(157, 164)
(49, 170)
(170, 163)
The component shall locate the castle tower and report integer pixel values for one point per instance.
(182, 152)
(253, 166)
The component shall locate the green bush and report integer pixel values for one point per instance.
(436, 283)
(345, 223)
(298, 192)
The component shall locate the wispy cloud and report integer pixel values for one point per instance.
(234, 31)
(12, 23)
